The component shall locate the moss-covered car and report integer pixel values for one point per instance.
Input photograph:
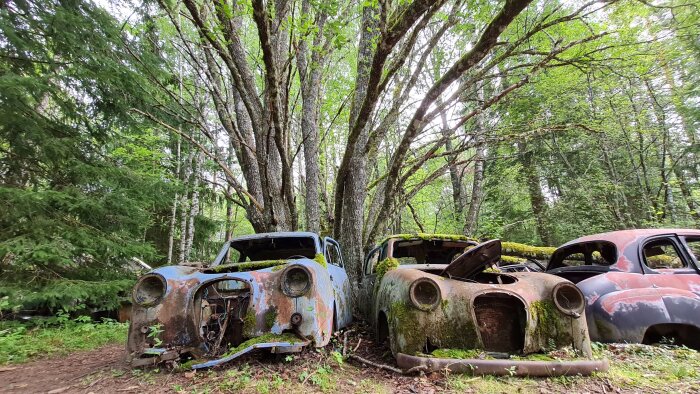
(280, 291)
(429, 298)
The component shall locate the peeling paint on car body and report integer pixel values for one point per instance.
(629, 301)
(203, 312)
(489, 311)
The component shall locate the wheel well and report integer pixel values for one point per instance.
(674, 333)
(382, 327)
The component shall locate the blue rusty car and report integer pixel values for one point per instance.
(278, 291)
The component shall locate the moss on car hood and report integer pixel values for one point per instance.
(243, 267)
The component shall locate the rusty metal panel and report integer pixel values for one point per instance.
(421, 307)
(206, 312)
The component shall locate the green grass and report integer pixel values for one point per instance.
(20, 343)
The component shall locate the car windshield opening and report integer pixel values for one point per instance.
(428, 251)
(598, 253)
(279, 248)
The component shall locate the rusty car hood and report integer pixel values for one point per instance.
(474, 260)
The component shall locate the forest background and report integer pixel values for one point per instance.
(157, 129)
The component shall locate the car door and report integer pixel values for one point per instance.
(692, 247)
(671, 261)
(339, 280)
(367, 280)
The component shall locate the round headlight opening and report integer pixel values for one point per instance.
(296, 281)
(149, 290)
(569, 299)
(425, 294)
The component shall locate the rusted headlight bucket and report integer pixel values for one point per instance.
(425, 294)
(569, 299)
(149, 290)
(296, 281)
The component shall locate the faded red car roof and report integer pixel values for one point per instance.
(623, 237)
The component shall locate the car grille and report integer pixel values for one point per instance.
(500, 319)
(223, 306)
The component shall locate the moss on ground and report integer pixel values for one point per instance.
(20, 342)
(561, 354)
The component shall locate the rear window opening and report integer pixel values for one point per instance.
(583, 260)
(428, 251)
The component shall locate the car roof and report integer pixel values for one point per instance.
(623, 237)
(427, 236)
(278, 234)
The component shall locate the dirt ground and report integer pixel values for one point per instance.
(104, 370)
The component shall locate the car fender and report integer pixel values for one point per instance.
(625, 315)
(342, 292)
(274, 309)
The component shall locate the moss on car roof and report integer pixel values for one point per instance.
(427, 236)
(522, 250)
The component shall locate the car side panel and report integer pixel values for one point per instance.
(622, 306)
(342, 294)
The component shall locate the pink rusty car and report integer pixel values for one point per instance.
(641, 286)
(431, 300)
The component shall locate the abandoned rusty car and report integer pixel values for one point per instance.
(280, 291)
(439, 308)
(641, 286)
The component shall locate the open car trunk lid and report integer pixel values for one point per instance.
(474, 260)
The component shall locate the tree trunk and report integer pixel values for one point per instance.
(194, 204)
(349, 220)
(663, 155)
(539, 204)
(310, 76)
(173, 212)
(455, 170)
(477, 196)
(185, 207)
